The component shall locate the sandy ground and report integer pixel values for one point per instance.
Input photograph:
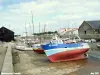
(30, 63)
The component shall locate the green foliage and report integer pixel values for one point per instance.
(49, 32)
(16, 35)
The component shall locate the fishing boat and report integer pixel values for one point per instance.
(37, 48)
(58, 51)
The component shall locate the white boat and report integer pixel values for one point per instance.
(23, 47)
(98, 45)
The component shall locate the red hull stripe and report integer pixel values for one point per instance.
(68, 55)
(39, 51)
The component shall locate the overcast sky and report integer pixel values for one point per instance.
(54, 14)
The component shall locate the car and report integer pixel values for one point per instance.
(87, 41)
(93, 40)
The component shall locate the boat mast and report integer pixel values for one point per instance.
(32, 24)
(44, 31)
(30, 28)
(39, 33)
(26, 34)
(39, 27)
(44, 27)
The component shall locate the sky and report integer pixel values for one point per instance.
(53, 14)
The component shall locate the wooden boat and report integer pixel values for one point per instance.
(58, 51)
(37, 48)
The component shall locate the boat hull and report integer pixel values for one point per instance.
(41, 51)
(66, 52)
(23, 48)
(37, 48)
(68, 55)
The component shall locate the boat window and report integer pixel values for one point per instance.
(56, 41)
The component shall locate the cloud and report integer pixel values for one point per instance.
(54, 13)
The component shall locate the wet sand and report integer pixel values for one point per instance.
(30, 63)
(91, 68)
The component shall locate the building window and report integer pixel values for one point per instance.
(85, 31)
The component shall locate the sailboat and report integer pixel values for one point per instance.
(23, 46)
(37, 46)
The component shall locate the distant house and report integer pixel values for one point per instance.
(6, 35)
(67, 32)
(63, 31)
(90, 30)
